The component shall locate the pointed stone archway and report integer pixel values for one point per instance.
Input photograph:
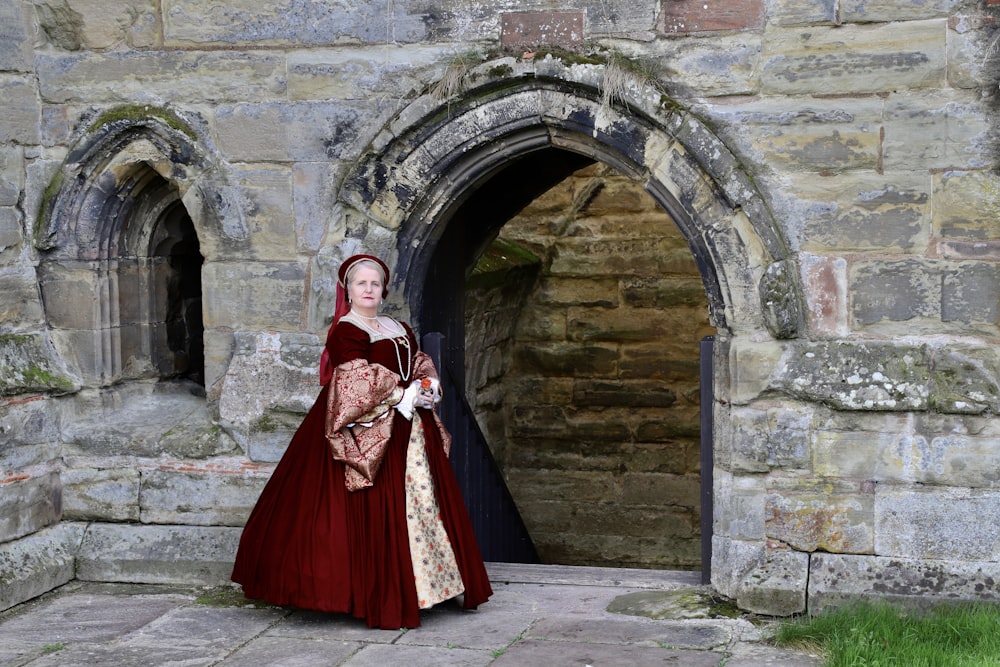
(128, 221)
(400, 200)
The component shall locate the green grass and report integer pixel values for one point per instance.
(880, 635)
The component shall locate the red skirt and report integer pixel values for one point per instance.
(312, 544)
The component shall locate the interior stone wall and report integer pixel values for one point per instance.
(600, 399)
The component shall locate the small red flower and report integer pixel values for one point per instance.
(425, 383)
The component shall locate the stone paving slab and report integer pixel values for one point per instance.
(291, 652)
(631, 631)
(536, 652)
(94, 624)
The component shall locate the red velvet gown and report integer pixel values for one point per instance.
(312, 544)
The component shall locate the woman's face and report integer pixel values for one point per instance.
(365, 290)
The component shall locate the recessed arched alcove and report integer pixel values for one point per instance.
(124, 231)
(414, 198)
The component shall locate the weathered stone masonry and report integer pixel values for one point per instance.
(830, 163)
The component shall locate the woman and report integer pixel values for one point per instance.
(363, 513)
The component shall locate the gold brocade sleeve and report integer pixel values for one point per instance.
(359, 418)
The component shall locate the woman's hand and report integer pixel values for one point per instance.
(429, 393)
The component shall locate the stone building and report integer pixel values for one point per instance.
(575, 195)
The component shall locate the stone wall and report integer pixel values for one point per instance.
(831, 165)
(601, 397)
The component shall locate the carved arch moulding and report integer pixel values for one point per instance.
(400, 194)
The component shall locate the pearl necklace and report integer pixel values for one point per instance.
(403, 340)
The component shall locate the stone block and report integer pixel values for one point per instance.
(818, 521)
(29, 363)
(598, 293)
(238, 22)
(731, 560)
(802, 12)
(566, 359)
(944, 523)
(886, 11)
(149, 76)
(851, 376)
(671, 292)
(314, 200)
(10, 235)
(29, 502)
(293, 131)
(939, 132)
(198, 493)
(970, 294)
(751, 367)
(558, 485)
(96, 25)
(716, 64)
(16, 37)
(266, 191)
(19, 123)
(253, 295)
(687, 16)
(280, 371)
(38, 563)
(20, 303)
(777, 585)
(660, 490)
(853, 212)
(771, 437)
(895, 290)
(361, 72)
(586, 258)
(857, 452)
(71, 291)
(738, 506)
(855, 59)
(824, 281)
(29, 431)
(12, 174)
(837, 580)
(552, 423)
(635, 393)
(965, 380)
(966, 204)
(29, 437)
(94, 494)
(835, 135)
(661, 361)
(533, 29)
(625, 326)
(144, 420)
(198, 555)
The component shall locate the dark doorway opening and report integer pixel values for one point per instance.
(471, 232)
(178, 252)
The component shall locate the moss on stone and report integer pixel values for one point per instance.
(497, 264)
(225, 596)
(139, 113)
(681, 604)
(45, 207)
(500, 71)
